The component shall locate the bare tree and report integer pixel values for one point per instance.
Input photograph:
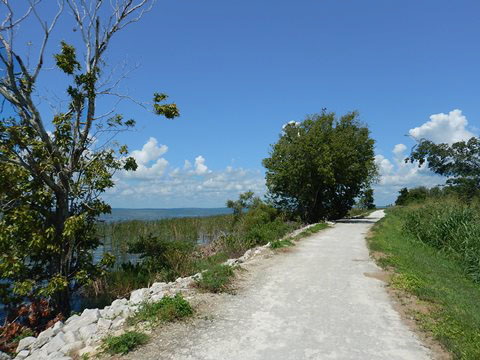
(54, 180)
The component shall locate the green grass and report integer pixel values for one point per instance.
(168, 309)
(435, 278)
(124, 343)
(289, 241)
(278, 244)
(311, 230)
(216, 279)
(357, 212)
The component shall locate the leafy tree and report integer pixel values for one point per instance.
(318, 167)
(366, 199)
(460, 162)
(245, 201)
(51, 181)
(418, 194)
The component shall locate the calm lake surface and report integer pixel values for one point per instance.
(156, 214)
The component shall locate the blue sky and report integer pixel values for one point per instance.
(239, 70)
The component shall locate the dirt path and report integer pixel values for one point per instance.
(312, 303)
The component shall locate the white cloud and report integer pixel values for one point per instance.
(293, 122)
(399, 149)
(200, 167)
(443, 128)
(156, 184)
(150, 151)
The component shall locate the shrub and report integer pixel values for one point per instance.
(169, 308)
(124, 343)
(171, 258)
(216, 279)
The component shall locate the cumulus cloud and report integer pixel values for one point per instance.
(396, 174)
(444, 128)
(150, 151)
(200, 167)
(157, 184)
(399, 149)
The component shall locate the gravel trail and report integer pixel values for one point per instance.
(313, 303)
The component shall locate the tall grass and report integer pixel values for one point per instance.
(117, 236)
(450, 226)
(172, 248)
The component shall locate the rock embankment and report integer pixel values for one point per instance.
(83, 334)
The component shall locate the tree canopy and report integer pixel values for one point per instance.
(460, 162)
(319, 166)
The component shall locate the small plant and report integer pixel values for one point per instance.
(169, 308)
(124, 343)
(216, 279)
(278, 244)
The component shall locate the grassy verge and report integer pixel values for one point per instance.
(357, 212)
(290, 241)
(168, 309)
(124, 343)
(216, 279)
(437, 280)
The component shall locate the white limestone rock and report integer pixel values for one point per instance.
(118, 324)
(4, 356)
(58, 327)
(72, 348)
(89, 316)
(25, 343)
(72, 318)
(139, 296)
(71, 337)
(103, 325)
(86, 332)
(55, 344)
(157, 288)
(20, 355)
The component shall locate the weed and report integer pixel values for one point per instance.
(169, 308)
(124, 343)
(278, 244)
(216, 279)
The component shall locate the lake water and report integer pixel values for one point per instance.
(156, 214)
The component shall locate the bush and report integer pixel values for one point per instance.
(216, 279)
(170, 258)
(169, 308)
(124, 343)
(450, 226)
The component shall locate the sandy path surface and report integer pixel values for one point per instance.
(314, 302)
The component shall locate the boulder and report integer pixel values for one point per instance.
(139, 296)
(25, 343)
(4, 356)
(72, 348)
(21, 355)
(72, 318)
(89, 316)
(88, 331)
(157, 287)
(103, 325)
(118, 324)
(57, 327)
(55, 344)
(71, 337)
